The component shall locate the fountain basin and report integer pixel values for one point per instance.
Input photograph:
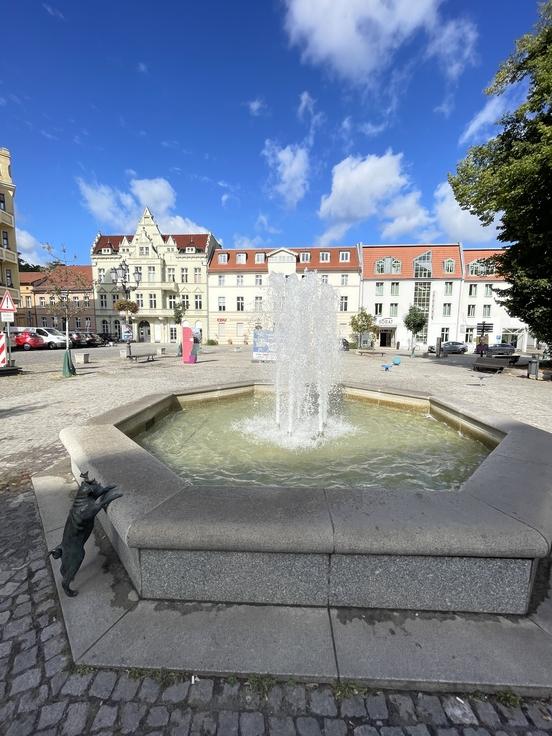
(473, 549)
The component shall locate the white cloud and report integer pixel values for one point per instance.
(228, 198)
(244, 241)
(54, 12)
(257, 107)
(371, 129)
(49, 136)
(142, 67)
(290, 168)
(2, 101)
(122, 210)
(30, 249)
(482, 126)
(263, 224)
(453, 44)
(406, 215)
(360, 187)
(458, 224)
(306, 105)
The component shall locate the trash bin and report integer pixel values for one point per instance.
(533, 367)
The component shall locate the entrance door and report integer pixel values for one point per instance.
(385, 338)
(144, 331)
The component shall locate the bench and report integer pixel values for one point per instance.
(149, 357)
(489, 364)
(370, 351)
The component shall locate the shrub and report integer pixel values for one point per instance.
(212, 342)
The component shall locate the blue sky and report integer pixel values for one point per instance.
(284, 122)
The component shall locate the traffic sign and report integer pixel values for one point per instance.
(484, 327)
(7, 305)
(7, 317)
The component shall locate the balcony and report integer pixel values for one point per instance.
(8, 255)
(6, 218)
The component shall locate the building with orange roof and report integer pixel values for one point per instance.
(238, 282)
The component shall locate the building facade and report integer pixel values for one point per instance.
(9, 268)
(238, 282)
(172, 271)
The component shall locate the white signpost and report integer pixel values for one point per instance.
(7, 311)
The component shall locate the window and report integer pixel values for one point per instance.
(105, 326)
(388, 265)
(486, 310)
(422, 294)
(140, 300)
(53, 299)
(172, 334)
(393, 310)
(143, 250)
(258, 279)
(86, 300)
(304, 257)
(42, 301)
(259, 257)
(324, 256)
(344, 279)
(45, 321)
(28, 301)
(239, 279)
(222, 304)
(324, 278)
(9, 281)
(448, 288)
(482, 267)
(185, 301)
(171, 301)
(198, 301)
(151, 273)
(117, 326)
(488, 290)
(184, 275)
(87, 324)
(422, 266)
(103, 301)
(379, 288)
(344, 257)
(258, 304)
(5, 241)
(343, 303)
(221, 279)
(76, 301)
(449, 265)
(394, 288)
(152, 301)
(2, 201)
(114, 298)
(171, 273)
(472, 290)
(241, 258)
(378, 309)
(444, 334)
(77, 323)
(447, 309)
(239, 304)
(471, 310)
(197, 275)
(107, 251)
(190, 249)
(468, 337)
(223, 258)
(101, 275)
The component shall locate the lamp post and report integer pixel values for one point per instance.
(120, 276)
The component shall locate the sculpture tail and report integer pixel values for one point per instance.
(56, 553)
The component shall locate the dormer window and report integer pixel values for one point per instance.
(388, 265)
(223, 258)
(324, 256)
(190, 249)
(259, 257)
(304, 257)
(106, 251)
(422, 266)
(344, 256)
(482, 267)
(241, 258)
(449, 265)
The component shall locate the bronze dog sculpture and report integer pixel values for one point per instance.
(91, 498)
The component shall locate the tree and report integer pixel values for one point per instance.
(25, 266)
(510, 178)
(179, 311)
(362, 323)
(415, 321)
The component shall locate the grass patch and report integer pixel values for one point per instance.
(346, 689)
(261, 684)
(508, 698)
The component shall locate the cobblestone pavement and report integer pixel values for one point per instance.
(41, 692)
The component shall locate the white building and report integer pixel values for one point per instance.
(172, 270)
(238, 284)
(453, 286)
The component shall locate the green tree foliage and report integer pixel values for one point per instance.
(26, 267)
(510, 177)
(362, 323)
(415, 321)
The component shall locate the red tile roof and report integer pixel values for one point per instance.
(199, 240)
(76, 278)
(480, 254)
(334, 264)
(28, 277)
(406, 255)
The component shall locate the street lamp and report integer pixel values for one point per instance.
(120, 276)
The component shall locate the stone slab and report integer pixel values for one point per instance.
(221, 639)
(54, 495)
(471, 584)
(443, 651)
(236, 577)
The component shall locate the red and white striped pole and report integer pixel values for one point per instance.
(3, 354)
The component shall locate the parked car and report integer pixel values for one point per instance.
(77, 339)
(52, 337)
(504, 348)
(107, 338)
(91, 340)
(29, 340)
(453, 346)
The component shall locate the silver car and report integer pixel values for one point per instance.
(453, 346)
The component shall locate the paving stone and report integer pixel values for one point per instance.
(131, 716)
(376, 707)
(252, 724)
(539, 716)
(353, 707)
(126, 688)
(227, 695)
(57, 682)
(365, 730)
(458, 710)
(430, 710)
(249, 698)
(476, 732)
(281, 726)
(391, 731)
(334, 727)
(103, 684)
(227, 723)
(57, 664)
(420, 730)
(486, 714)
(200, 693)
(7, 711)
(273, 702)
(54, 629)
(295, 699)
(8, 589)
(15, 628)
(514, 716)
(26, 640)
(322, 702)
(203, 724)
(32, 700)
(74, 720)
(176, 693)
(4, 617)
(180, 722)
(51, 714)
(54, 646)
(76, 684)
(402, 707)
(29, 679)
(22, 726)
(447, 732)
(536, 733)
(5, 649)
(105, 717)
(307, 727)
(158, 716)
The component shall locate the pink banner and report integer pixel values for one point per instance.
(188, 353)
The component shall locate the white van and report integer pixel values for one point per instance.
(52, 337)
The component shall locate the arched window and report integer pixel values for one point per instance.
(117, 327)
(105, 325)
(481, 267)
(388, 265)
(449, 265)
(422, 266)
